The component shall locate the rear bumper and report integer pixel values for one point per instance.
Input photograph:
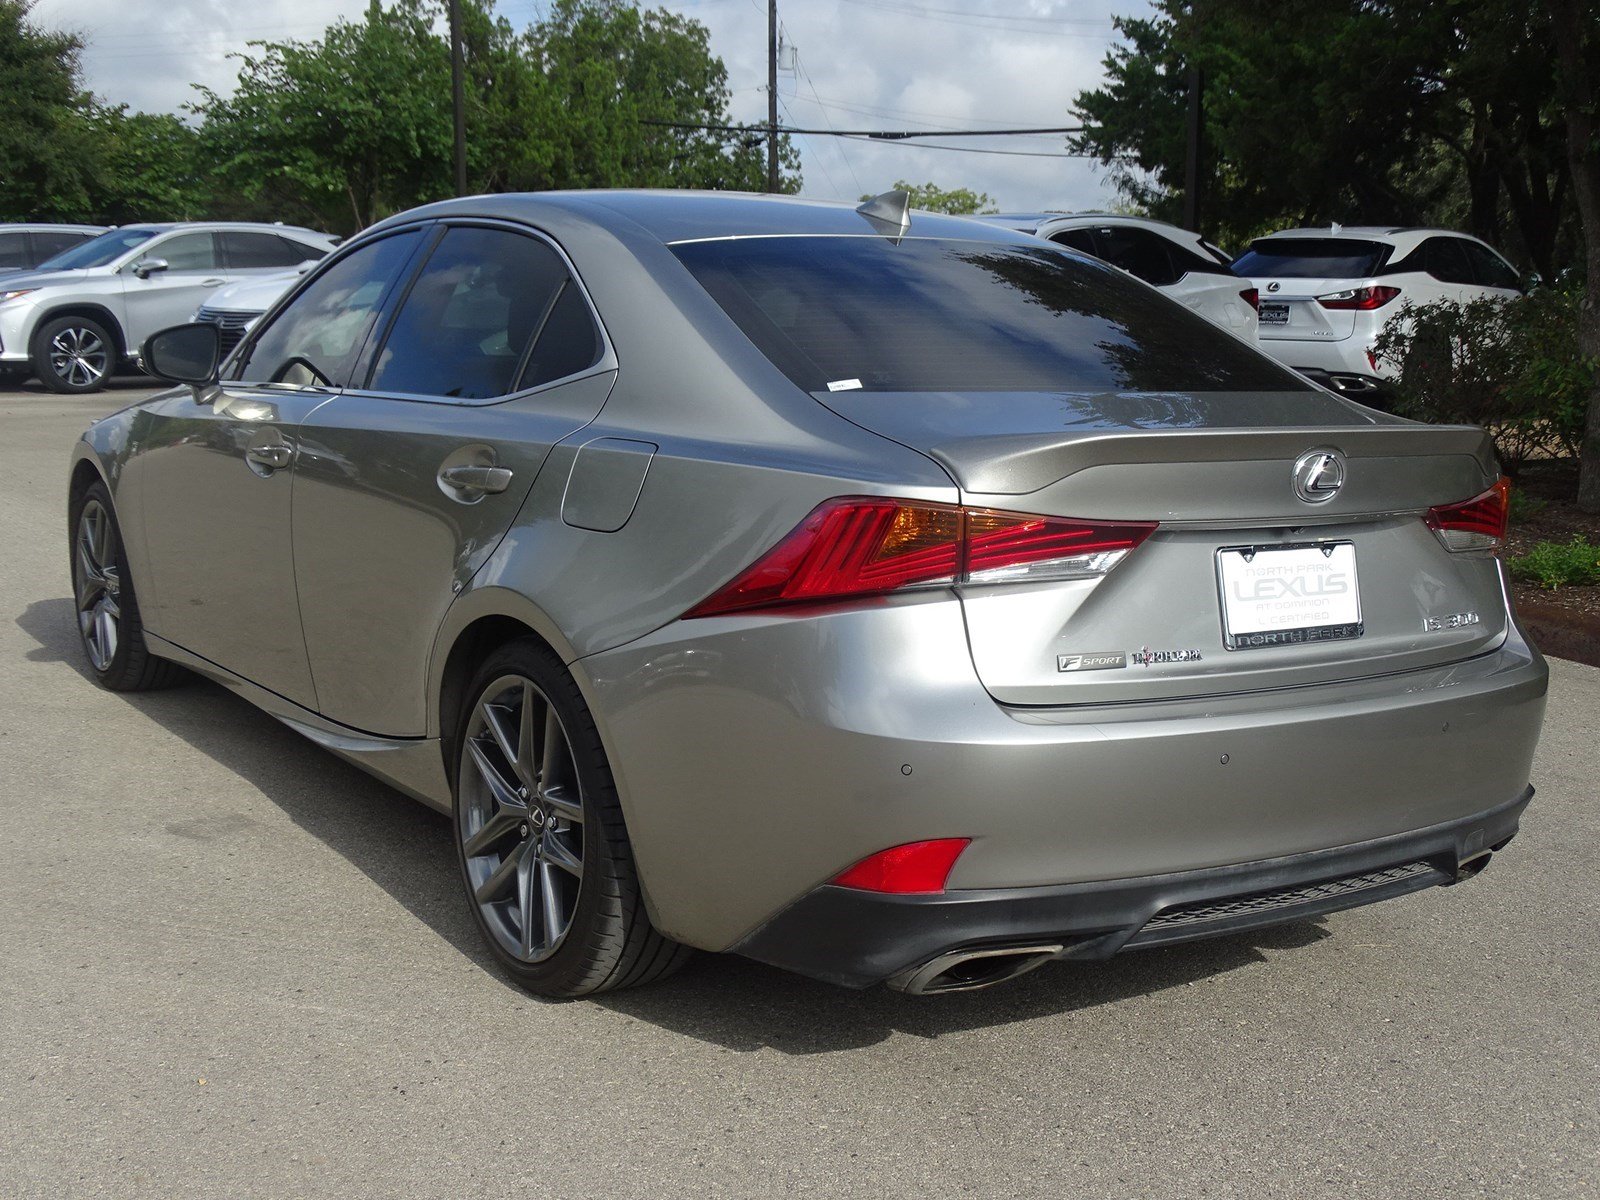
(859, 938)
(759, 756)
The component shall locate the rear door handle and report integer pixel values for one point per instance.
(475, 479)
(212, 282)
(274, 456)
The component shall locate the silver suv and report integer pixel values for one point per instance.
(81, 315)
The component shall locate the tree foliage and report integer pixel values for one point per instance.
(43, 138)
(1357, 111)
(930, 197)
(358, 124)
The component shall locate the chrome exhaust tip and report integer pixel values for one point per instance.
(1352, 383)
(969, 970)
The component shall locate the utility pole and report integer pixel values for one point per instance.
(1192, 151)
(457, 98)
(772, 95)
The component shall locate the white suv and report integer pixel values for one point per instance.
(1326, 293)
(1180, 264)
(82, 314)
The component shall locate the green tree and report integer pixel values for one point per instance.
(146, 168)
(45, 146)
(1341, 110)
(358, 122)
(930, 197)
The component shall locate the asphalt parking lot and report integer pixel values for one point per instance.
(231, 965)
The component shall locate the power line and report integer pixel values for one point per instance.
(973, 149)
(881, 135)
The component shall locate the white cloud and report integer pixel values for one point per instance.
(867, 64)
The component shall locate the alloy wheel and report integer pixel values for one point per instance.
(97, 584)
(519, 812)
(79, 356)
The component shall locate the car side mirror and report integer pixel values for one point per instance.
(147, 267)
(184, 354)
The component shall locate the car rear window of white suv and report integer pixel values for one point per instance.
(1311, 258)
(934, 315)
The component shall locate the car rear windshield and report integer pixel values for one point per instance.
(97, 252)
(838, 313)
(1310, 258)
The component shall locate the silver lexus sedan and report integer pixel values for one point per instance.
(889, 597)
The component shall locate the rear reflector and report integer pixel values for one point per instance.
(917, 868)
(1361, 299)
(1252, 297)
(1476, 524)
(859, 546)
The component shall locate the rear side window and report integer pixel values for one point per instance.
(50, 242)
(253, 251)
(466, 328)
(1081, 240)
(1445, 259)
(315, 340)
(1489, 269)
(1311, 258)
(14, 250)
(1140, 253)
(936, 315)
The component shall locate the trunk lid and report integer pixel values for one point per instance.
(1289, 310)
(1216, 470)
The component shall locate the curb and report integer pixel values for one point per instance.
(1560, 632)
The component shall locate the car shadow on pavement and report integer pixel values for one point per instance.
(405, 848)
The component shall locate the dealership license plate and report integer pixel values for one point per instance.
(1284, 596)
(1274, 314)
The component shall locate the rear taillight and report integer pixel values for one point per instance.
(917, 868)
(1476, 524)
(860, 546)
(1361, 299)
(1252, 297)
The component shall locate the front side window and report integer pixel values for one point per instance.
(1081, 240)
(468, 328)
(935, 316)
(315, 341)
(186, 252)
(1489, 269)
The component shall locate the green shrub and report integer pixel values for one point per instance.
(1511, 365)
(1524, 507)
(1559, 564)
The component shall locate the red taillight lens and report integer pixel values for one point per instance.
(917, 868)
(1361, 299)
(1476, 524)
(1252, 297)
(869, 546)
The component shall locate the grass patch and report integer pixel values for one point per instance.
(1558, 564)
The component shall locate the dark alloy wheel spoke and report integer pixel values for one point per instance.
(96, 585)
(520, 819)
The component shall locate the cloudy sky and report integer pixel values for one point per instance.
(861, 64)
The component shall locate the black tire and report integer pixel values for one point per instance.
(129, 667)
(610, 942)
(74, 374)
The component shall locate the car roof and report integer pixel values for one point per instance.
(51, 227)
(223, 227)
(683, 216)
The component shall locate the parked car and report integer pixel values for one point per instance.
(80, 316)
(1326, 293)
(741, 574)
(236, 308)
(24, 247)
(1183, 265)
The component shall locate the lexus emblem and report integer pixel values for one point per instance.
(1318, 475)
(1274, 286)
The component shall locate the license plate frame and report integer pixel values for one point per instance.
(1257, 615)
(1273, 314)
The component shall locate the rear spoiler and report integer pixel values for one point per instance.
(1015, 464)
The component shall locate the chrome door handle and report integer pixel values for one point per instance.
(213, 282)
(476, 479)
(274, 456)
